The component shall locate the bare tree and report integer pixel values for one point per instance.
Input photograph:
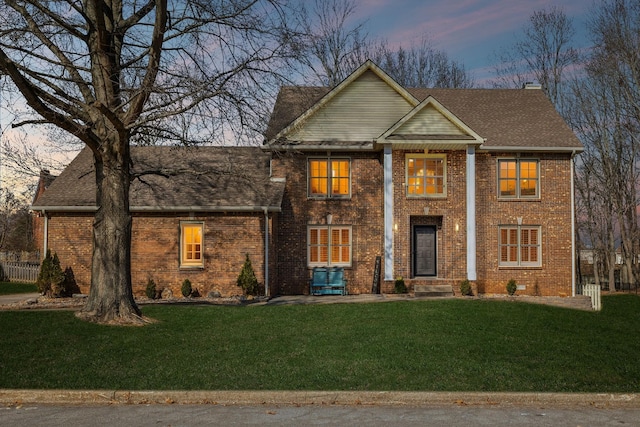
(116, 72)
(543, 53)
(421, 65)
(606, 116)
(332, 48)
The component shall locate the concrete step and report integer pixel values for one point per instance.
(433, 290)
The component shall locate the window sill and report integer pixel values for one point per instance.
(435, 197)
(191, 267)
(519, 267)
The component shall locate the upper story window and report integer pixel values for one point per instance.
(191, 235)
(426, 175)
(329, 178)
(520, 246)
(518, 179)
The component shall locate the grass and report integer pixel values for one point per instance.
(449, 345)
(8, 288)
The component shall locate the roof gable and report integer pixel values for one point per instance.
(358, 109)
(428, 125)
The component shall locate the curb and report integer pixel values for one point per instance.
(10, 397)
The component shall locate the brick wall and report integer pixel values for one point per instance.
(363, 211)
(155, 250)
(552, 212)
(443, 212)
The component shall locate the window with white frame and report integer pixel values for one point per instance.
(329, 245)
(329, 177)
(520, 246)
(191, 244)
(426, 175)
(518, 178)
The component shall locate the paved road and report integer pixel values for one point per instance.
(371, 409)
(305, 415)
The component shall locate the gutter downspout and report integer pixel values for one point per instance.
(266, 252)
(573, 229)
(45, 235)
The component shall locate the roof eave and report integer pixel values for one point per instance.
(532, 149)
(83, 209)
(369, 146)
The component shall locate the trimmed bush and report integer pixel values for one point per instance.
(399, 286)
(247, 278)
(511, 287)
(51, 277)
(465, 288)
(186, 288)
(150, 291)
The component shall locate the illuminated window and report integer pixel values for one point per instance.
(191, 234)
(329, 246)
(518, 179)
(520, 246)
(329, 178)
(426, 175)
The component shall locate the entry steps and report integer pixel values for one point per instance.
(433, 290)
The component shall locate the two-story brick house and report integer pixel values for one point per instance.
(442, 184)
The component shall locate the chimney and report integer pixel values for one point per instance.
(531, 85)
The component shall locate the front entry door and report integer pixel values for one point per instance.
(424, 250)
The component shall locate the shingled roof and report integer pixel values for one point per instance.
(507, 118)
(176, 179)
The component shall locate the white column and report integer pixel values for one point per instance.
(573, 229)
(471, 212)
(388, 213)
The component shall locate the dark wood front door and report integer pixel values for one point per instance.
(424, 250)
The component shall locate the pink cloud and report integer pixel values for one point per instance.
(461, 24)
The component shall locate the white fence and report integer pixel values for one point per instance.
(593, 291)
(19, 271)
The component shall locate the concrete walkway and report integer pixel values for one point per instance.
(14, 298)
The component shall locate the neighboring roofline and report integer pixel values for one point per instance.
(367, 66)
(162, 208)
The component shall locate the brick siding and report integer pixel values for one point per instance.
(155, 250)
(364, 211)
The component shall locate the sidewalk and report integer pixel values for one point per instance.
(346, 398)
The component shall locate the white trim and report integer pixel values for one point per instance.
(388, 213)
(430, 100)
(186, 264)
(329, 228)
(519, 263)
(368, 65)
(329, 194)
(517, 178)
(471, 212)
(573, 230)
(438, 156)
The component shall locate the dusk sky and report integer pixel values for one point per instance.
(469, 31)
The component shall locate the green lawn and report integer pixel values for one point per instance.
(444, 345)
(8, 288)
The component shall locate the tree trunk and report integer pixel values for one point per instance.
(111, 296)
